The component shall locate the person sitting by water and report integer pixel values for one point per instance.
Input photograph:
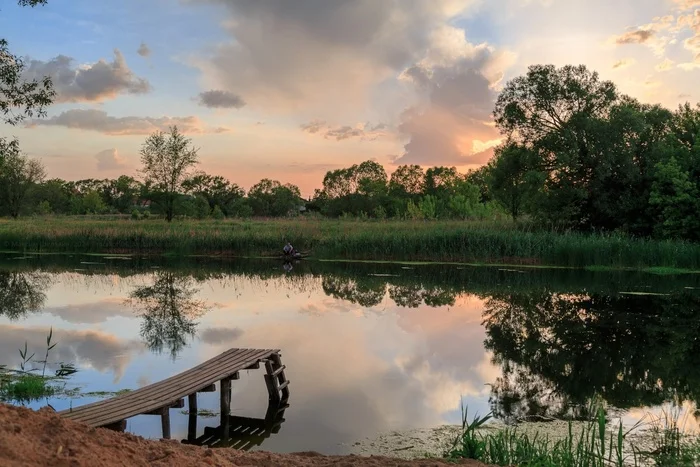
(288, 249)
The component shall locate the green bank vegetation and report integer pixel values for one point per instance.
(595, 444)
(30, 383)
(446, 241)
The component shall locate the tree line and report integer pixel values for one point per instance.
(576, 153)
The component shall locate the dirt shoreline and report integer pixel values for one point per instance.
(43, 438)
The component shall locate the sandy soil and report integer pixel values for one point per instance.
(42, 438)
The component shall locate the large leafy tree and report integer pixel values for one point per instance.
(168, 159)
(559, 114)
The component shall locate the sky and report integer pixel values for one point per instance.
(288, 90)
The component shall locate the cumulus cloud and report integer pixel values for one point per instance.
(284, 54)
(454, 126)
(109, 159)
(88, 83)
(218, 99)
(144, 50)
(364, 131)
(100, 121)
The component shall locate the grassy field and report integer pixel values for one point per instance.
(453, 241)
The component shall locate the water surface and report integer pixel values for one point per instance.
(369, 348)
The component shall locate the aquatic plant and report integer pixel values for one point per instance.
(26, 384)
(593, 446)
(458, 241)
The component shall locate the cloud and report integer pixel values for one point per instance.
(640, 36)
(364, 132)
(88, 83)
(91, 313)
(283, 55)
(624, 63)
(220, 336)
(100, 121)
(665, 65)
(94, 349)
(109, 159)
(217, 99)
(454, 126)
(144, 50)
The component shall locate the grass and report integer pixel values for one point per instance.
(25, 384)
(593, 446)
(417, 241)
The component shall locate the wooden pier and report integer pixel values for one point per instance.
(160, 397)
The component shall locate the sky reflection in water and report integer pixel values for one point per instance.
(364, 353)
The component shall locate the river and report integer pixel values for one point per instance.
(369, 348)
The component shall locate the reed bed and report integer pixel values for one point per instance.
(441, 241)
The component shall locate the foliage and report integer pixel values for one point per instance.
(271, 198)
(596, 445)
(167, 159)
(17, 175)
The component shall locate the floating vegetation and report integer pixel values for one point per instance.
(204, 413)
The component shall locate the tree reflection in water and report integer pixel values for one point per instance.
(22, 293)
(558, 352)
(169, 310)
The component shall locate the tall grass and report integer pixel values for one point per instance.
(469, 242)
(593, 446)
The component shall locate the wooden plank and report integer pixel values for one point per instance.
(146, 392)
(278, 370)
(210, 373)
(167, 391)
(102, 414)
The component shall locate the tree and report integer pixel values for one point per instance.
(167, 159)
(27, 98)
(512, 179)
(18, 174)
(215, 189)
(271, 198)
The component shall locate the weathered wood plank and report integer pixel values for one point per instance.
(165, 391)
(169, 391)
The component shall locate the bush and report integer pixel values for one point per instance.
(135, 214)
(217, 213)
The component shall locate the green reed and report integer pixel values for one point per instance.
(592, 446)
(467, 242)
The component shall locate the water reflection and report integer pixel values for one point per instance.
(245, 433)
(168, 309)
(22, 293)
(557, 352)
(410, 342)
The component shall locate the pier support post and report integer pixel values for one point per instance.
(192, 421)
(225, 389)
(165, 422)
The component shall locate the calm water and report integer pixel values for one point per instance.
(368, 348)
